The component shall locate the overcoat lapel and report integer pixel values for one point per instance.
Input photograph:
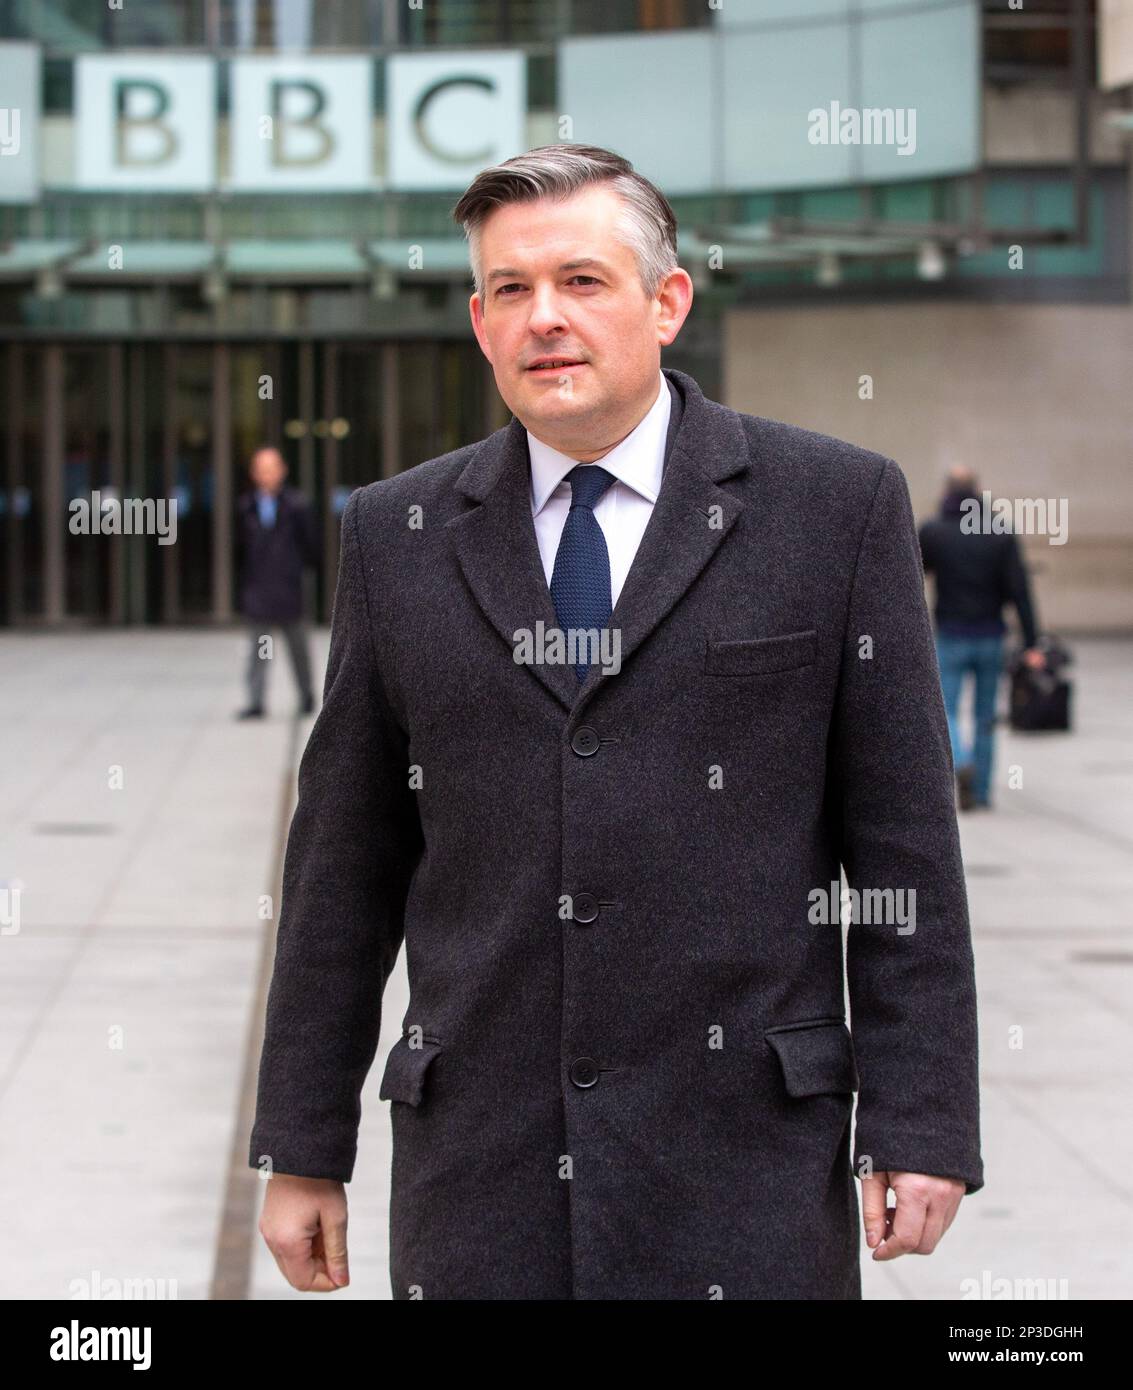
(499, 553)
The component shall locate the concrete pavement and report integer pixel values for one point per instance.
(143, 826)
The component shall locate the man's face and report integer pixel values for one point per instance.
(540, 302)
(268, 470)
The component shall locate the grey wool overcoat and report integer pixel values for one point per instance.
(626, 1070)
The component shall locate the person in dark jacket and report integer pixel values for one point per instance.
(977, 572)
(625, 1069)
(277, 537)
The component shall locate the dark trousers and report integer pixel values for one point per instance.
(295, 635)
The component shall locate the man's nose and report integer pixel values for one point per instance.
(546, 314)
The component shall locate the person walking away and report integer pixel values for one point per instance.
(976, 573)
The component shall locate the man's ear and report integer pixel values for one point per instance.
(476, 314)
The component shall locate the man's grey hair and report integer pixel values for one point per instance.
(647, 224)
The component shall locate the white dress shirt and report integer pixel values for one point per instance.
(623, 510)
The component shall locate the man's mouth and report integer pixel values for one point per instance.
(555, 364)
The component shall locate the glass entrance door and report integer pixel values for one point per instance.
(345, 414)
(180, 421)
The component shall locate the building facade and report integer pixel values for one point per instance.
(228, 222)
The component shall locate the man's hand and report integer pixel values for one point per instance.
(304, 1224)
(926, 1207)
(1034, 658)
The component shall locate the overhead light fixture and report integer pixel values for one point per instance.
(213, 286)
(931, 264)
(48, 283)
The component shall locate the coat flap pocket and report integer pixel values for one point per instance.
(755, 656)
(404, 1076)
(815, 1056)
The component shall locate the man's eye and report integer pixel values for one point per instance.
(503, 289)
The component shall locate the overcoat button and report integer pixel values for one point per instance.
(585, 907)
(584, 1072)
(585, 741)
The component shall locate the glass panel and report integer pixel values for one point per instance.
(147, 475)
(83, 25)
(830, 204)
(9, 563)
(924, 66)
(290, 24)
(87, 478)
(21, 447)
(912, 202)
(419, 403)
(249, 423)
(540, 21)
(462, 383)
(193, 485)
(356, 423)
(29, 504)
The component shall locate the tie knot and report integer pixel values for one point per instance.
(587, 484)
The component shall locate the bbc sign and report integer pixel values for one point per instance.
(751, 88)
(295, 123)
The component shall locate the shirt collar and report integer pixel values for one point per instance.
(637, 461)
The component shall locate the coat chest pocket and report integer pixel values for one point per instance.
(407, 1069)
(758, 656)
(816, 1056)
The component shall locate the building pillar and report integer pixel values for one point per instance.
(54, 503)
(222, 611)
(390, 397)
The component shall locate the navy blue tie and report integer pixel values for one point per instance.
(580, 581)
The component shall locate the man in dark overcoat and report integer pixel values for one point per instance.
(276, 539)
(614, 696)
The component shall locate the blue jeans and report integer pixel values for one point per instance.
(982, 657)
